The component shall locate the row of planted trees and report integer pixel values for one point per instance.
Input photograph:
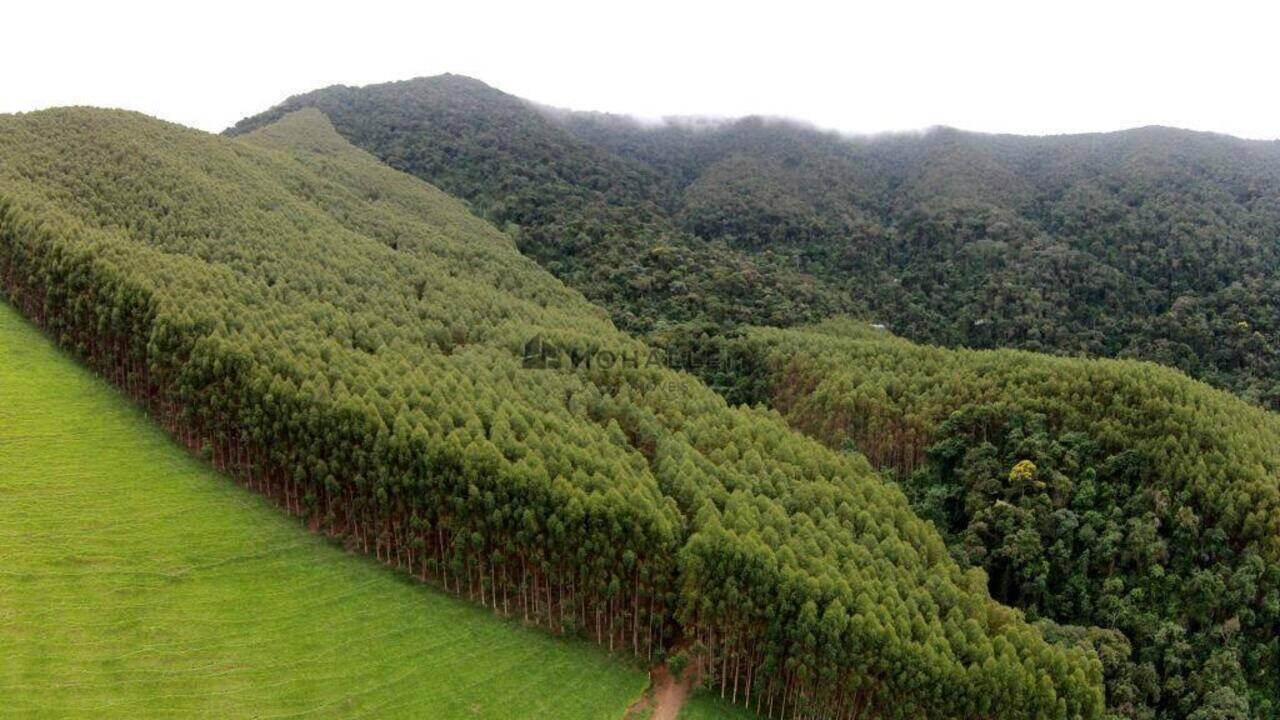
(449, 511)
(628, 505)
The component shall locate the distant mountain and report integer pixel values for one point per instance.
(1152, 243)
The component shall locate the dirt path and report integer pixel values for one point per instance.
(665, 697)
(669, 693)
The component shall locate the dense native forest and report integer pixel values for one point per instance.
(1122, 500)
(1154, 243)
(347, 340)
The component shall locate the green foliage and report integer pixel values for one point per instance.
(1099, 493)
(139, 583)
(677, 663)
(347, 340)
(703, 705)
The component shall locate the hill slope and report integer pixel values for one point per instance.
(1100, 493)
(140, 583)
(1153, 243)
(595, 219)
(352, 343)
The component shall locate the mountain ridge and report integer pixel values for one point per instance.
(699, 119)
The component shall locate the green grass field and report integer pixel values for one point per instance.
(137, 582)
(706, 705)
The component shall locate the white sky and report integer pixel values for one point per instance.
(1027, 67)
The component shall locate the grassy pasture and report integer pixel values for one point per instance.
(137, 582)
(707, 705)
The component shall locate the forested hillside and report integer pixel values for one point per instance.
(598, 221)
(1114, 494)
(349, 341)
(1153, 243)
